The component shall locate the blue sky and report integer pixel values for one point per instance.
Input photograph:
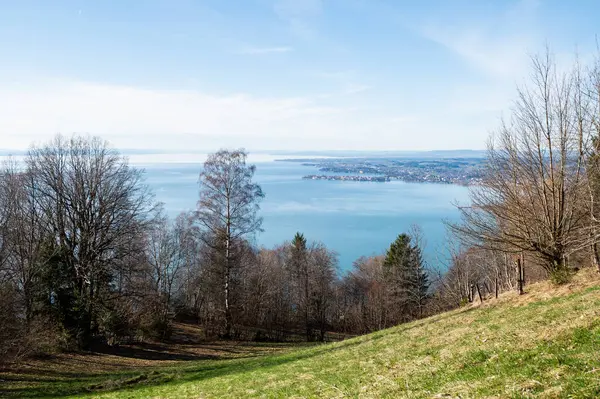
(275, 74)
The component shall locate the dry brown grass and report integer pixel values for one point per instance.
(544, 290)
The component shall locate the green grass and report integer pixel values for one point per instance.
(539, 345)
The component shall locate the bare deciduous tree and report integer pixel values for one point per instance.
(227, 212)
(95, 207)
(323, 263)
(166, 254)
(22, 237)
(590, 99)
(533, 197)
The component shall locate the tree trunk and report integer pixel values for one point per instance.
(228, 318)
(28, 305)
(479, 293)
(596, 255)
(228, 326)
(496, 287)
(523, 269)
(520, 276)
(508, 272)
(306, 304)
(472, 293)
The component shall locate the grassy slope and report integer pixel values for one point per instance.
(543, 344)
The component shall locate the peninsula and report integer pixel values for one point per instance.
(461, 171)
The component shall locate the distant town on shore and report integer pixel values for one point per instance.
(461, 171)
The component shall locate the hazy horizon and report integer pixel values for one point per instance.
(315, 152)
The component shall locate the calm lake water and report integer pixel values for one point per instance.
(353, 218)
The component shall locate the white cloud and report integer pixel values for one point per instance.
(265, 50)
(131, 117)
(147, 117)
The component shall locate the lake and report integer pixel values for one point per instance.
(353, 218)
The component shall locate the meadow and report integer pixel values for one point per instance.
(541, 344)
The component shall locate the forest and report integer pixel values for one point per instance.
(88, 257)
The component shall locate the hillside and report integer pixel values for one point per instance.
(543, 344)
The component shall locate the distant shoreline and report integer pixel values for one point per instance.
(378, 179)
(463, 171)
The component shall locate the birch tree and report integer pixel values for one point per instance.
(228, 212)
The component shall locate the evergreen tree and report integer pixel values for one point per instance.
(300, 269)
(298, 244)
(406, 279)
(417, 282)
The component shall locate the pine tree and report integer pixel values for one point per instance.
(406, 279)
(418, 282)
(300, 269)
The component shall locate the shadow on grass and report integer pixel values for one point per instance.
(34, 383)
(147, 351)
(60, 384)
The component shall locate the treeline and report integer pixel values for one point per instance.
(87, 256)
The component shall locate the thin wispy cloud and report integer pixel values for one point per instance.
(493, 48)
(347, 80)
(265, 50)
(354, 88)
(342, 75)
(300, 15)
(504, 57)
(498, 45)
